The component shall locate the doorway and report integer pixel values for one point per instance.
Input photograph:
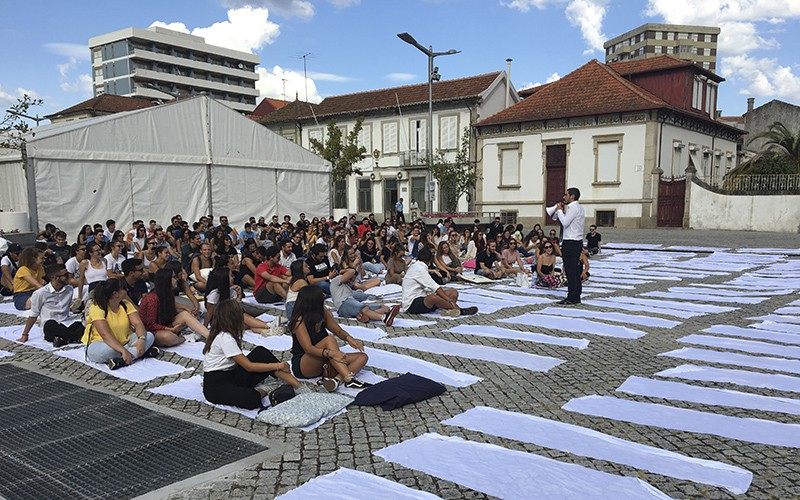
(389, 197)
(555, 176)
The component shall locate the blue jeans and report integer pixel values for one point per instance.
(325, 285)
(100, 352)
(374, 268)
(289, 310)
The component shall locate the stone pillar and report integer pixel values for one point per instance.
(687, 199)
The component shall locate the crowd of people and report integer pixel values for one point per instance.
(149, 287)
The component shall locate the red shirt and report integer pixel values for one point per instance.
(278, 271)
(363, 228)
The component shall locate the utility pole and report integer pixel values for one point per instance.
(284, 88)
(305, 73)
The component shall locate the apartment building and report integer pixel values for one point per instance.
(697, 44)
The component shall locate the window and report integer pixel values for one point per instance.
(98, 73)
(509, 217)
(604, 218)
(706, 65)
(364, 195)
(659, 35)
(365, 137)
(658, 49)
(448, 132)
(343, 130)
(607, 153)
(683, 36)
(340, 194)
(389, 130)
(697, 94)
(417, 135)
(317, 134)
(710, 95)
(509, 156)
(670, 35)
(97, 56)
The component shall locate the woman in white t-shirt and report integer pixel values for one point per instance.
(138, 242)
(221, 288)
(230, 377)
(114, 259)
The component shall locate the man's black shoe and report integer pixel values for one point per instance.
(565, 302)
(60, 341)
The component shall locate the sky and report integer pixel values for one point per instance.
(352, 45)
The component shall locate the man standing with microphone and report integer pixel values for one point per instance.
(571, 215)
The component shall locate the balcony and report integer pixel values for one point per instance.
(414, 158)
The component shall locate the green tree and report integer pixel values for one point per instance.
(455, 178)
(343, 153)
(780, 152)
(13, 127)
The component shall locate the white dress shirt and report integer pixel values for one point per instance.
(47, 304)
(571, 218)
(417, 283)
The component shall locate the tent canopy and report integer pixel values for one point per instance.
(191, 157)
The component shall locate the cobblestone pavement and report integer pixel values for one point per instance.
(350, 439)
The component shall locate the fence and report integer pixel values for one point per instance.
(771, 182)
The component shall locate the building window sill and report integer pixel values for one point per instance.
(606, 183)
(509, 186)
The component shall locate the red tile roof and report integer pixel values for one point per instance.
(592, 89)
(292, 111)
(659, 63)
(105, 104)
(525, 93)
(267, 106)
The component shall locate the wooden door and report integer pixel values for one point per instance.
(555, 176)
(671, 198)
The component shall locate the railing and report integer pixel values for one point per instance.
(766, 182)
(413, 158)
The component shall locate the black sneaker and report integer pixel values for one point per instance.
(356, 384)
(153, 352)
(60, 341)
(468, 311)
(115, 363)
(565, 302)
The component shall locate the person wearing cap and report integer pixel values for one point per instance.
(51, 304)
(8, 268)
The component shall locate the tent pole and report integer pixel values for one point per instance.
(30, 177)
(208, 187)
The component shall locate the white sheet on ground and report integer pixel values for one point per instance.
(732, 358)
(702, 289)
(141, 370)
(633, 319)
(496, 297)
(753, 430)
(788, 310)
(274, 343)
(400, 363)
(191, 389)
(777, 327)
(531, 291)
(479, 465)
(8, 308)
(708, 395)
(347, 484)
(604, 302)
(778, 318)
(505, 333)
(707, 297)
(575, 325)
(532, 362)
(753, 333)
(590, 443)
(35, 337)
(739, 377)
(668, 304)
(411, 323)
(365, 334)
(191, 350)
(750, 346)
(5, 354)
(385, 290)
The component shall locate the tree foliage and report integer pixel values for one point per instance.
(13, 127)
(455, 178)
(342, 152)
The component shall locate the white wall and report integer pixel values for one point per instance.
(674, 161)
(13, 186)
(709, 210)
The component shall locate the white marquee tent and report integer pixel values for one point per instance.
(190, 157)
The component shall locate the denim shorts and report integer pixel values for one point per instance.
(21, 300)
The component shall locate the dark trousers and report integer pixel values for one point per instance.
(401, 217)
(236, 387)
(73, 332)
(570, 254)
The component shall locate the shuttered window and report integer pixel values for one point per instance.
(389, 137)
(448, 132)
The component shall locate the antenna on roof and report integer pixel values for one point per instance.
(313, 114)
(305, 73)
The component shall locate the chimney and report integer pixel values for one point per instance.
(750, 102)
(508, 80)
(719, 114)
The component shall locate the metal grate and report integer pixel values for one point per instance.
(58, 440)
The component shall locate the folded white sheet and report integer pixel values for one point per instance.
(348, 484)
(191, 350)
(505, 333)
(5, 354)
(141, 370)
(779, 318)
(753, 333)
(400, 363)
(707, 297)
(575, 325)
(777, 327)
(511, 474)
(35, 337)
(274, 343)
(612, 316)
(532, 362)
(590, 443)
(708, 395)
(604, 302)
(739, 377)
(669, 304)
(750, 346)
(753, 430)
(736, 359)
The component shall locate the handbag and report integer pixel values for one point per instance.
(283, 393)
(522, 280)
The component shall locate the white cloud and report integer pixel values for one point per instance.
(401, 77)
(550, 79)
(65, 68)
(328, 77)
(588, 16)
(553, 77)
(345, 3)
(762, 77)
(740, 38)
(72, 50)
(288, 8)
(247, 29)
(713, 12)
(10, 98)
(82, 85)
(525, 5)
(271, 84)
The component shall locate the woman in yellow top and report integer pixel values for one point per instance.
(108, 336)
(29, 277)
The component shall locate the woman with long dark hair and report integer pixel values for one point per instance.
(160, 314)
(93, 269)
(83, 235)
(314, 351)
(109, 322)
(29, 277)
(230, 377)
(299, 270)
(220, 288)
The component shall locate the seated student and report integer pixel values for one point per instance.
(299, 272)
(29, 277)
(202, 263)
(60, 249)
(221, 288)
(248, 234)
(73, 264)
(321, 271)
(337, 252)
(349, 307)
(397, 265)
(553, 238)
(250, 261)
(584, 264)
(593, 240)
(271, 278)
(447, 261)
(190, 250)
(138, 241)
(114, 259)
(487, 263)
(109, 322)
(93, 269)
(369, 257)
(414, 242)
(314, 351)
(299, 244)
(287, 255)
(476, 245)
(134, 283)
(185, 298)
(160, 315)
(8, 268)
(511, 259)
(51, 303)
(423, 295)
(226, 252)
(230, 377)
(352, 260)
(546, 277)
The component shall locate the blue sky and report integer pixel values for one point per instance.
(353, 44)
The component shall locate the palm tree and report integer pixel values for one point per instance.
(779, 152)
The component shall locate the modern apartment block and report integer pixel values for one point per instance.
(697, 44)
(159, 63)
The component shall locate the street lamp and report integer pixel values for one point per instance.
(432, 75)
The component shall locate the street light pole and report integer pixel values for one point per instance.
(431, 55)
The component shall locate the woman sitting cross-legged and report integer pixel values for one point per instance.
(546, 277)
(221, 288)
(160, 314)
(314, 351)
(108, 335)
(230, 377)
